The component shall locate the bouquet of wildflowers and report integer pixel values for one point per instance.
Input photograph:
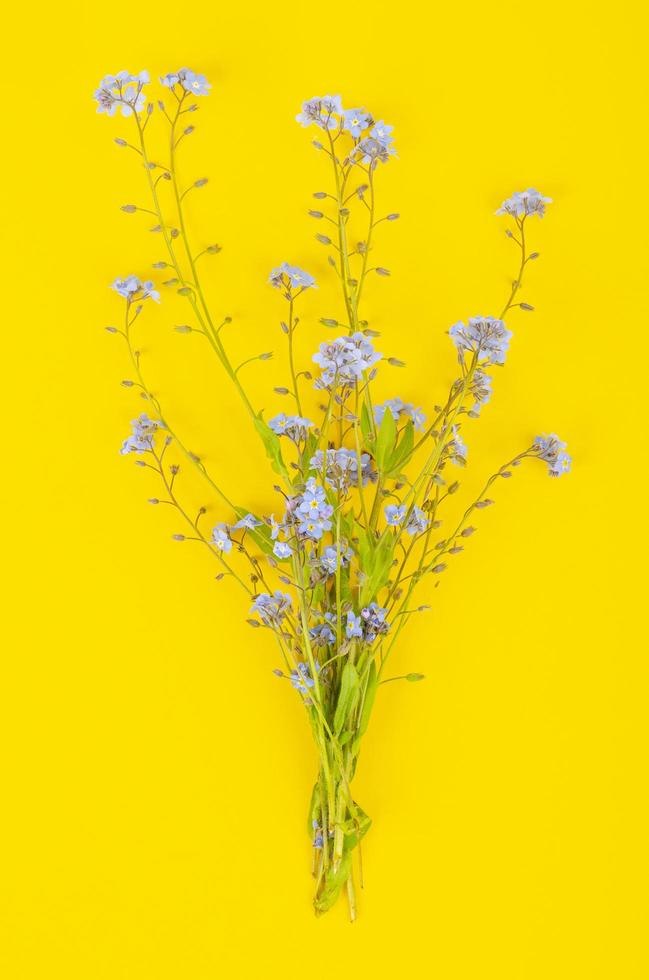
(334, 574)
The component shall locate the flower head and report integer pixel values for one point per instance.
(395, 514)
(417, 521)
(221, 539)
(282, 550)
(301, 678)
(141, 440)
(321, 111)
(482, 335)
(355, 121)
(249, 523)
(293, 426)
(272, 609)
(122, 91)
(400, 409)
(291, 277)
(371, 151)
(480, 388)
(457, 449)
(323, 634)
(374, 624)
(132, 288)
(354, 627)
(552, 450)
(344, 360)
(523, 203)
(331, 557)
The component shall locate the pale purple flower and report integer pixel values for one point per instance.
(330, 558)
(323, 634)
(293, 426)
(122, 91)
(221, 539)
(344, 360)
(142, 437)
(272, 609)
(132, 288)
(417, 521)
(524, 203)
(354, 628)
(290, 277)
(395, 514)
(355, 121)
(552, 450)
(301, 678)
(381, 133)
(249, 522)
(374, 624)
(482, 335)
(282, 550)
(400, 409)
(321, 111)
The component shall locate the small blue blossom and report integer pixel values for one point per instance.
(524, 203)
(290, 277)
(417, 521)
(301, 678)
(371, 151)
(122, 91)
(141, 440)
(400, 409)
(321, 111)
(314, 527)
(344, 360)
(395, 514)
(324, 634)
(293, 426)
(329, 559)
(221, 539)
(381, 133)
(374, 624)
(193, 82)
(552, 450)
(355, 121)
(354, 628)
(272, 609)
(133, 289)
(282, 550)
(275, 527)
(249, 522)
(482, 335)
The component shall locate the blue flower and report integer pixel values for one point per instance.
(312, 503)
(344, 360)
(122, 91)
(395, 514)
(372, 151)
(342, 467)
(144, 430)
(249, 522)
(293, 426)
(417, 521)
(324, 633)
(192, 82)
(290, 277)
(321, 111)
(275, 527)
(301, 678)
(480, 389)
(170, 79)
(374, 623)
(221, 539)
(524, 203)
(314, 527)
(355, 121)
(552, 450)
(272, 609)
(132, 289)
(354, 628)
(282, 550)
(329, 559)
(482, 335)
(381, 133)
(399, 409)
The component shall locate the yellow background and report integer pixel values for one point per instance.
(155, 774)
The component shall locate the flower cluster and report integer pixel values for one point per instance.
(290, 277)
(133, 289)
(311, 511)
(142, 438)
(523, 203)
(272, 609)
(122, 91)
(334, 556)
(301, 678)
(553, 452)
(400, 410)
(344, 360)
(188, 80)
(324, 634)
(372, 140)
(484, 336)
(368, 624)
(414, 517)
(293, 426)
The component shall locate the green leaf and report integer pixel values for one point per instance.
(347, 696)
(366, 426)
(272, 447)
(314, 809)
(368, 702)
(385, 442)
(402, 451)
(377, 568)
(355, 830)
(333, 883)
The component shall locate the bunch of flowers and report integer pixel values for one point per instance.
(332, 575)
